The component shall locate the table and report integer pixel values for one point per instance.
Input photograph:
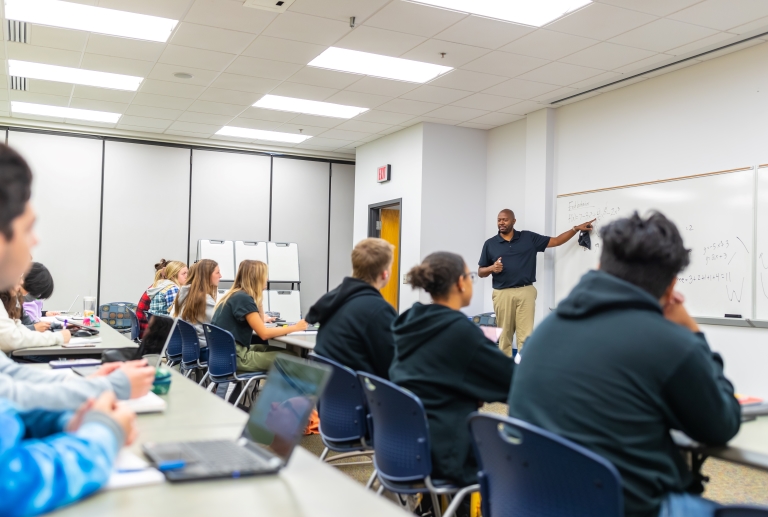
(749, 447)
(110, 339)
(306, 341)
(306, 487)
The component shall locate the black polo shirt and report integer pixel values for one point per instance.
(517, 255)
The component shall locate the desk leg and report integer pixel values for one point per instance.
(697, 459)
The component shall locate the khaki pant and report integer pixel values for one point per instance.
(259, 358)
(514, 308)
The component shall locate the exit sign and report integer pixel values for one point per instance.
(384, 173)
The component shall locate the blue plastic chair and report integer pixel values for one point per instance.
(401, 444)
(116, 315)
(222, 361)
(134, 325)
(343, 412)
(526, 471)
(190, 350)
(173, 350)
(742, 511)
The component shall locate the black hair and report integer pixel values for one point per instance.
(437, 273)
(648, 253)
(15, 188)
(38, 281)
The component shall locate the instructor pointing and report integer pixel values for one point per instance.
(510, 257)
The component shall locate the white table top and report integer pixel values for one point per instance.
(300, 339)
(110, 339)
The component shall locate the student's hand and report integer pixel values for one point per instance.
(300, 325)
(77, 419)
(585, 227)
(140, 375)
(52, 313)
(675, 312)
(66, 334)
(125, 417)
(497, 266)
(269, 319)
(42, 326)
(106, 369)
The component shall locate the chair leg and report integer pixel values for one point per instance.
(244, 390)
(436, 504)
(371, 480)
(380, 490)
(187, 373)
(202, 381)
(324, 454)
(458, 498)
(211, 387)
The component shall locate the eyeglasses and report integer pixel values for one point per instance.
(472, 275)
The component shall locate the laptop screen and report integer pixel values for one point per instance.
(283, 406)
(156, 337)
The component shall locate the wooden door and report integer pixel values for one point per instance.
(390, 232)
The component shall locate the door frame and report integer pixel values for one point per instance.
(372, 232)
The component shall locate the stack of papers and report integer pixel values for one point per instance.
(149, 403)
(130, 470)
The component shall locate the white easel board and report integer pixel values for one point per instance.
(248, 250)
(223, 252)
(283, 260)
(287, 303)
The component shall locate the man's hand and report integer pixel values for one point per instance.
(140, 375)
(42, 326)
(77, 419)
(106, 369)
(126, 418)
(497, 266)
(585, 227)
(675, 312)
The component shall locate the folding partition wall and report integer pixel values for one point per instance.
(341, 228)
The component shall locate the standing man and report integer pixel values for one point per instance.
(510, 257)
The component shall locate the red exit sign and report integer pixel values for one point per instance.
(384, 173)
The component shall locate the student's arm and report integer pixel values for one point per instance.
(702, 398)
(14, 336)
(258, 326)
(381, 341)
(489, 372)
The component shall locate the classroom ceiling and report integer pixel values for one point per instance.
(236, 54)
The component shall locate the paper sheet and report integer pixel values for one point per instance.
(131, 470)
(149, 403)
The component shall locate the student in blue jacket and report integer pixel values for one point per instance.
(52, 458)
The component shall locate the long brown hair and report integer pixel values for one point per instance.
(10, 299)
(192, 309)
(251, 278)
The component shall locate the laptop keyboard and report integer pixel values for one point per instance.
(223, 456)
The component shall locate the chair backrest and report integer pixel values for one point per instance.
(222, 354)
(342, 407)
(135, 328)
(400, 431)
(742, 511)
(190, 343)
(116, 315)
(526, 471)
(173, 351)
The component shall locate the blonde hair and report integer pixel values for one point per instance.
(192, 309)
(251, 278)
(170, 272)
(370, 258)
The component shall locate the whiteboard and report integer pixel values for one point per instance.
(761, 246)
(245, 250)
(287, 303)
(283, 261)
(715, 216)
(223, 252)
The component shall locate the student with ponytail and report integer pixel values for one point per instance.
(446, 360)
(165, 274)
(197, 299)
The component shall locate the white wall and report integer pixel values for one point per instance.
(340, 240)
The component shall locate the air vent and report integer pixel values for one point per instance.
(275, 6)
(18, 83)
(18, 32)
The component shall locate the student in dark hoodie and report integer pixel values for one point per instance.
(446, 361)
(621, 362)
(355, 320)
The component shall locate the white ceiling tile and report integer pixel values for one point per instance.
(663, 34)
(434, 120)
(384, 87)
(561, 74)
(227, 14)
(759, 24)
(216, 108)
(115, 65)
(456, 113)
(310, 29)
(160, 101)
(622, 84)
(467, 80)
(327, 143)
(144, 122)
(710, 41)
(412, 18)
(477, 126)
(643, 64)
(290, 127)
(103, 94)
(604, 77)
(257, 67)
(410, 107)
(379, 41)
(557, 94)
(456, 54)
(267, 125)
(38, 98)
(496, 119)
(579, 98)
(383, 117)
(549, 45)
(195, 127)
(315, 121)
(339, 9)
(344, 135)
(49, 56)
(504, 63)
(190, 134)
(230, 96)
(124, 47)
(189, 91)
(49, 87)
(362, 126)
(91, 104)
(303, 91)
(429, 93)
(370, 138)
(211, 38)
(196, 58)
(153, 112)
(322, 77)
(483, 32)
(205, 118)
(607, 56)
(361, 100)
(63, 39)
(657, 7)
(392, 129)
(723, 14)
(173, 9)
(244, 83)
(520, 89)
(600, 21)
(268, 115)
(277, 49)
(166, 72)
(139, 129)
(523, 108)
(483, 101)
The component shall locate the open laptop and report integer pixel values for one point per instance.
(274, 428)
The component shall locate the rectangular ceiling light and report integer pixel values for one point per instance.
(258, 134)
(376, 65)
(81, 17)
(526, 12)
(62, 112)
(323, 109)
(63, 74)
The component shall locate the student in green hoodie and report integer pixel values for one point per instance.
(621, 362)
(446, 361)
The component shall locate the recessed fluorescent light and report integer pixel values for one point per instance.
(377, 65)
(324, 109)
(81, 17)
(258, 134)
(527, 12)
(63, 74)
(61, 112)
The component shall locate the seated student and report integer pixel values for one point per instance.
(14, 335)
(197, 299)
(446, 361)
(142, 308)
(13, 304)
(163, 293)
(355, 320)
(52, 458)
(36, 286)
(240, 312)
(621, 362)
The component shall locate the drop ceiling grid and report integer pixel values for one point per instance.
(497, 78)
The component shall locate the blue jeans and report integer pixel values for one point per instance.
(687, 505)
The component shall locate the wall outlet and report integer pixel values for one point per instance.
(405, 278)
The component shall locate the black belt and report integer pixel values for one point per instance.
(517, 286)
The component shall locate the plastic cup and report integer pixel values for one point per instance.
(89, 306)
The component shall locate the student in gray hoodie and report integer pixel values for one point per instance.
(197, 298)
